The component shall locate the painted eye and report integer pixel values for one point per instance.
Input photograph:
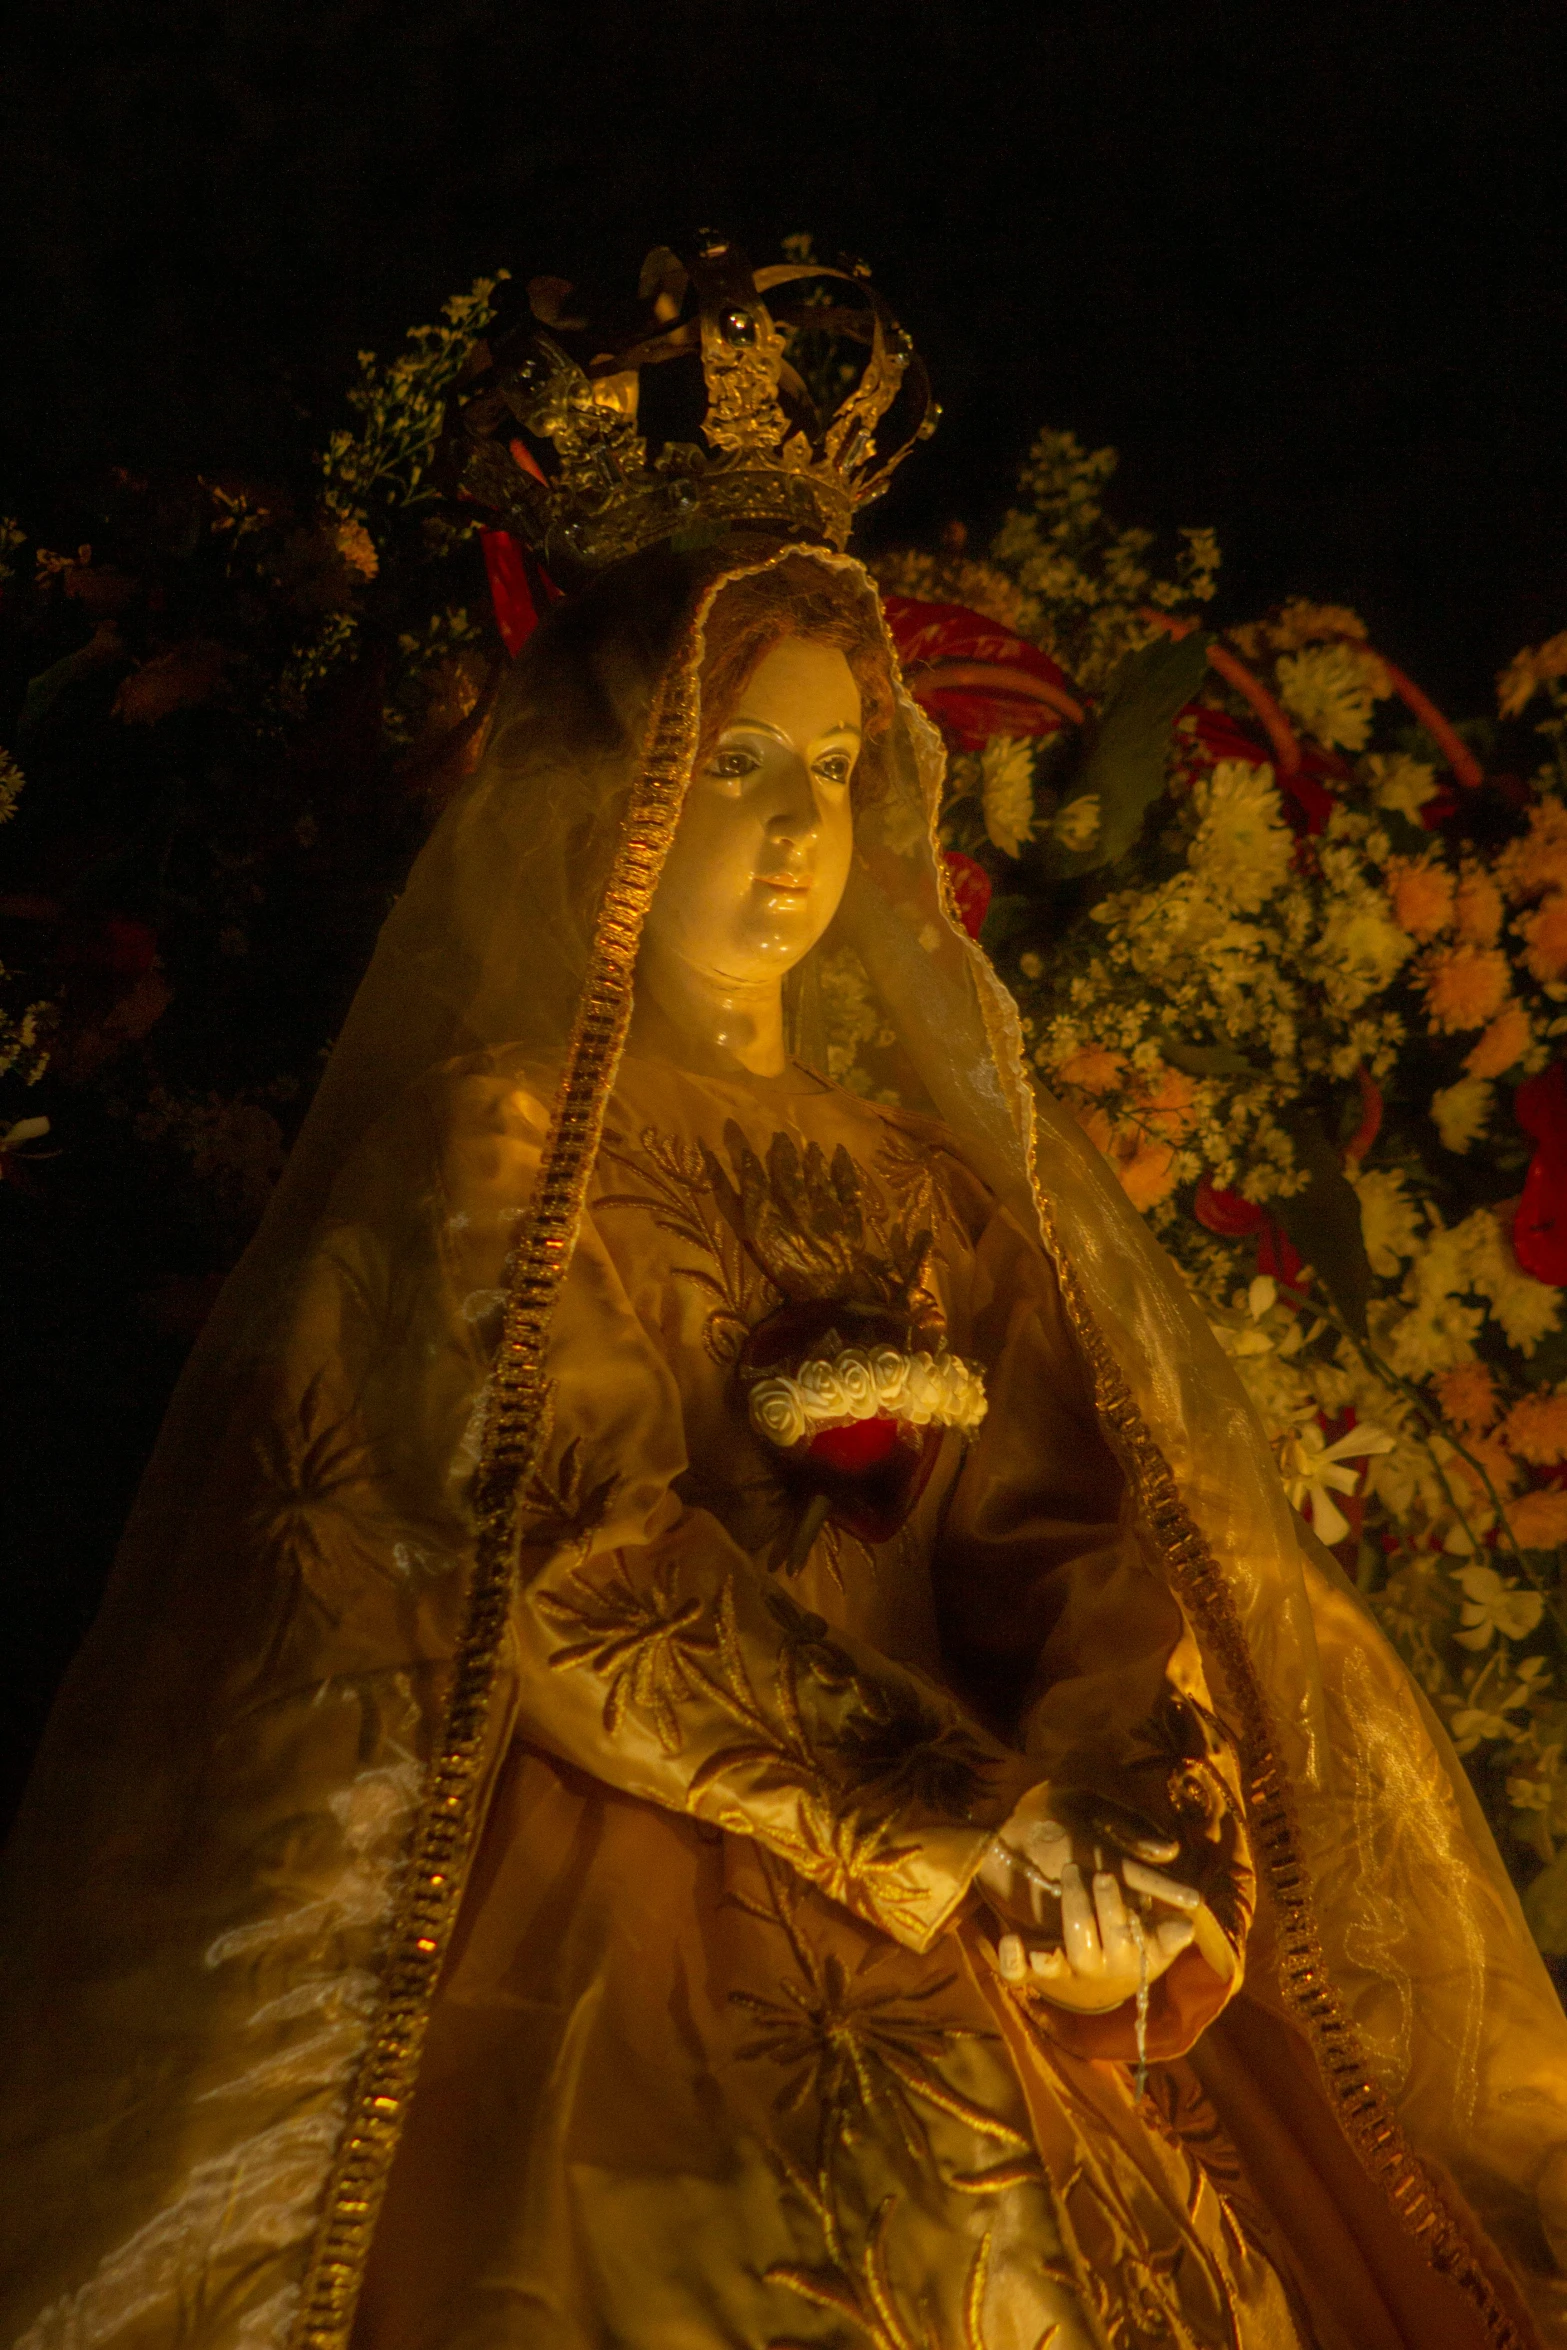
(733, 764)
(835, 768)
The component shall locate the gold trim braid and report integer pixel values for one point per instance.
(516, 1425)
(1364, 2111)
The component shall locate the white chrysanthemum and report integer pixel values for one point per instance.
(1461, 1112)
(1007, 772)
(1077, 824)
(1526, 1309)
(1333, 690)
(902, 823)
(850, 1015)
(1398, 782)
(1243, 846)
(1389, 1220)
(1360, 949)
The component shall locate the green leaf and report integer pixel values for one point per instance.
(1005, 920)
(1127, 746)
(1207, 1060)
(1545, 1907)
(1324, 1222)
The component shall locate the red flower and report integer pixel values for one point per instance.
(520, 592)
(970, 891)
(1540, 1222)
(1232, 1218)
(975, 679)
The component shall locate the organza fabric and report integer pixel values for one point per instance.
(272, 1772)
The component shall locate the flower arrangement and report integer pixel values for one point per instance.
(1293, 950)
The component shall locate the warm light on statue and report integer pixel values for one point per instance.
(713, 1726)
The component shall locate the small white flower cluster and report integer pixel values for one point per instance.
(868, 1383)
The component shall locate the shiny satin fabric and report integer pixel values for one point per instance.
(320, 1746)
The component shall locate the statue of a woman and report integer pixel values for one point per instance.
(712, 1732)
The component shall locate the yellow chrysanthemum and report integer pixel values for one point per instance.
(1390, 1222)
(1461, 1112)
(1527, 671)
(1243, 846)
(1398, 783)
(1333, 690)
(1007, 791)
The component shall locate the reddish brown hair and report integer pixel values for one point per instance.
(796, 598)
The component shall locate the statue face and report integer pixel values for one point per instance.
(762, 852)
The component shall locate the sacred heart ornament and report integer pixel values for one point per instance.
(855, 1410)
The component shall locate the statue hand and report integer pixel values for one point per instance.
(1083, 1905)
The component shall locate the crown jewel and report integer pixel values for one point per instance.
(712, 406)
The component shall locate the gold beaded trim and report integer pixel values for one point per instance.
(1364, 2112)
(516, 1427)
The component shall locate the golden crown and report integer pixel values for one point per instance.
(712, 408)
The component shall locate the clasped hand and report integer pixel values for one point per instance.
(1086, 1912)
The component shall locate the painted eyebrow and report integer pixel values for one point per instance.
(761, 726)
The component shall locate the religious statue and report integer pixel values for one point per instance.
(712, 1731)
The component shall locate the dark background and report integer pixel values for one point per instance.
(1303, 266)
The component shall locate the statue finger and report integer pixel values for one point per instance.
(1079, 1931)
(1049, 1965)
(1124, 1829)
(1115, 1934)
(1011, 1959)
(1173, 1935)
(1160, 1887)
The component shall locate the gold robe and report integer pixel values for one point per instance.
(721, 2055)
(627, 1893)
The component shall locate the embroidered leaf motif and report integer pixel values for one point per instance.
(819, 1229)
(640, 1637)
(564, 1510)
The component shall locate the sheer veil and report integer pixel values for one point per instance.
(1388, 1933)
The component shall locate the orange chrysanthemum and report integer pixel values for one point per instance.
(1488, 1459)
(1147, 1174)
(1094, 1068)
(1422, 896)
(1504, 1042)
(1467, 1395)
(1539, 1521)
(1545, 931)
(1095, 1122)
(1478, 908)
(1536, 1429)
(1166, 1108)
(1465, 987)
(1539, 860)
